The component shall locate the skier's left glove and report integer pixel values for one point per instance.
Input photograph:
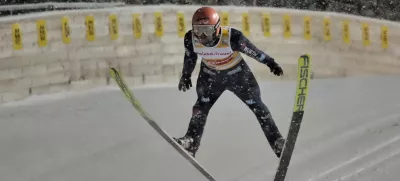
(275, 68)
(185, 83)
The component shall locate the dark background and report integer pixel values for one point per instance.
(382, 9)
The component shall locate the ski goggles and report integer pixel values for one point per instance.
(207, 30)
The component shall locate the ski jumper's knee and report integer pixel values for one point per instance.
(202, 107)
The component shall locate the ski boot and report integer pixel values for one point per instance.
(188, 144)
(278, 146)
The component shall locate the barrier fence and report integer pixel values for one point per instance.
(181, 28)
(60, 51)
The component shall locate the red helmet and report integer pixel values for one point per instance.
(206, 25)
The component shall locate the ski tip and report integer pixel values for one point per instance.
(113, 71)
(306, 55)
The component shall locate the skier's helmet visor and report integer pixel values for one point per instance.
(207, 30)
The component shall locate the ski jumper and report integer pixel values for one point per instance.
(223, 68)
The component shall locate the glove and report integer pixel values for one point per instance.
(275, 68)
(185, 83)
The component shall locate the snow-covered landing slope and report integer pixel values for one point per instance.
(351, 131)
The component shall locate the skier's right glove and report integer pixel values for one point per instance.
(185, 83)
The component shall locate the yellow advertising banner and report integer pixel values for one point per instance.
(246, 24)
(365, 34)
(327, 29)
(225, 19)
(137, 25)
(41, 32)
(90, 29)
(65, 30)
(287, 29)
(17, 36)
(346, 31)
(113, 26)
(307, 27)
(266, 24)
(384, 36)
(159, 26)
(181, 24)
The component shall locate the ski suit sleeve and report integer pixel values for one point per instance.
(240, 43)
(190, 57)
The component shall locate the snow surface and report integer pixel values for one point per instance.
(351, 131)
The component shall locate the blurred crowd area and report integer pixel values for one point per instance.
(381, 9)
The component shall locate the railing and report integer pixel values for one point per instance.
(8, 10)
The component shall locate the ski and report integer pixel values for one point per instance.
(115, 74)
(302, 85)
